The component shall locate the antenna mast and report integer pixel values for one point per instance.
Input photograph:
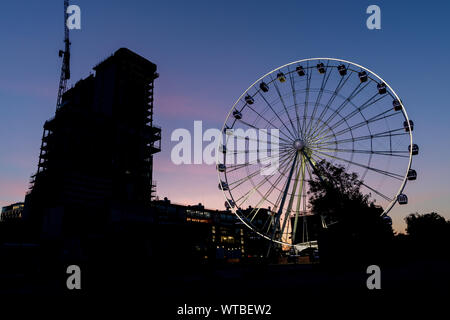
(65, 68)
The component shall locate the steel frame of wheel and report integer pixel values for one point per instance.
(299, 168)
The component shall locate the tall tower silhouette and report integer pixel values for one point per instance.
(97, 151)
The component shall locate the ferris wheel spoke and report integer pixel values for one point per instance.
(270, 122)
(280, 195)
(282, 150)
(311, 161)
(322, 129)
(293, 136)
(291, 199)
(254, 189)
(237, 152)
(237, 183)
(338, 110)
(376, 191)
(317, 139)
(283, 200)
(247, 195)
(353, 94)
(256, 128)
(308, 84)
(327, 131)
(271, 220)
(359, 110)
(357, 125)
(389, 133)
(301, 191)
(282, 160)
(319, 97)
(393, 153)
(247, 138)
(266, 195)
(296, 106)
(257, 208)
(381, 116)
(334, 94)
(277, 89)
(380, 171)
(231, 168)
(385, 197)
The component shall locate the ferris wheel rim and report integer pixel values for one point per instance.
(395, 95)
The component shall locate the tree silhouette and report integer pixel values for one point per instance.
(355, 221)
(427, 227)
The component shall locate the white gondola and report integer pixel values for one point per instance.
(415, 149)
(412, 174)
(342, 70)
(264, 87)
(237, 114)
(281, 77)
(300, 71)
(223, 186)
(381, 88)
(402, 198)
(407, 127)
(249, 99)
(362, 76)
(221, 167)
(321, 67)
(397, 105)
(228, 131)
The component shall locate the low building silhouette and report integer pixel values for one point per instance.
(201, 234)
(12, 212)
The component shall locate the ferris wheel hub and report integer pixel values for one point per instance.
(299, 144)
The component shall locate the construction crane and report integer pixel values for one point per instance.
(65, 68)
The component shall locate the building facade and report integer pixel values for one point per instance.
(207, 234)
(13, 212)
(97, 151)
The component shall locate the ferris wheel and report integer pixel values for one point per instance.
(312, 111)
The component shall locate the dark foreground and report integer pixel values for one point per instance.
(288, 289)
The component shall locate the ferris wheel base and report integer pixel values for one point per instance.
(304, 245)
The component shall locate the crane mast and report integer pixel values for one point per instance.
(65, 68)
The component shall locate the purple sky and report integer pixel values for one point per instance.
(208, 53)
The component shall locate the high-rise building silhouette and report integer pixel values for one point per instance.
(97, 151)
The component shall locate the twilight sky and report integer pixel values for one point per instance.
(208, 53)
